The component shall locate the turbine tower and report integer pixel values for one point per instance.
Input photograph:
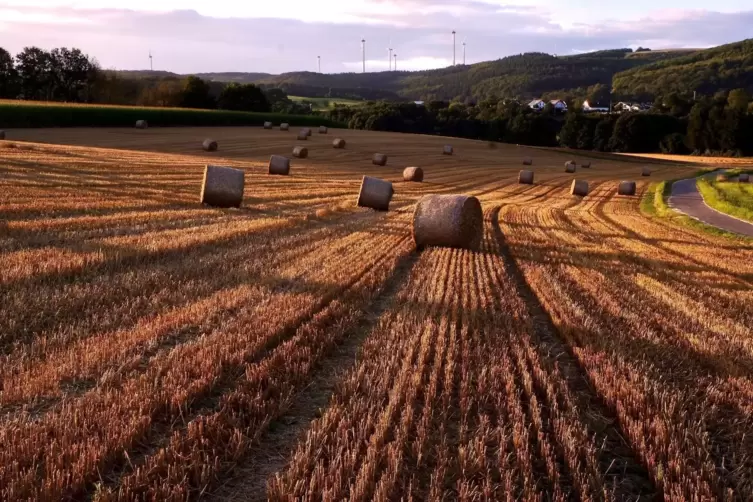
(363, 53)
(389, 59)
(453, 47)
(151, 65)
(396, 61)
(319, 63)
(463, 52)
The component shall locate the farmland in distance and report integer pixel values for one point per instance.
(300, 348)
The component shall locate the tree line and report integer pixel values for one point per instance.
(719, 125)
(69, 75)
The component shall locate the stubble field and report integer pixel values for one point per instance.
(299, 348)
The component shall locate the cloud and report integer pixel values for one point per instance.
(188, 40)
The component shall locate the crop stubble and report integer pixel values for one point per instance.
(586, 353)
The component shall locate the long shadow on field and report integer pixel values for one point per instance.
(247, 480)
(617, 459)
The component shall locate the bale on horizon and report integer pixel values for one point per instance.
(586, 165)
(284, 126)
(338, 143)
(222, 186)
(626, 188)
(527, 161)
(303, 136)
(570, 167)
(209, 145)
(141, 124)
(413, 174)
(579, 187)
(267, 125)
(375, 193)
(379, 159)
(322, 130)
(743, 178)
(300, 152)
(279, 165)
(447, 150)
(454, 221)
(646, 171)
(307, 130)
(525, 177)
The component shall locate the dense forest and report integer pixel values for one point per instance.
(705, 72)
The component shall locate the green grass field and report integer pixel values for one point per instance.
(733, 198)
(322, 104)
(19, 114)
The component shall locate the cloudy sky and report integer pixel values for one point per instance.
(287, 35)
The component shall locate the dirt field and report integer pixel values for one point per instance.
(299, 348)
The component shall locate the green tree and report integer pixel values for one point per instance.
(35, 73)
(243, 97)
(738, 99)
(74, 74)
(8, 76)
(196, 94)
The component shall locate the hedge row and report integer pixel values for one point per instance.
(18, 115)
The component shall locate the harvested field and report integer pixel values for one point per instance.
(299, 346)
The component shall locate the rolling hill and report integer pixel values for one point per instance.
(634, 75)
(708, 71)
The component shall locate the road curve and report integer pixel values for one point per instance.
(686, 199)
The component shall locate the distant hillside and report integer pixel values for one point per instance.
(523, 76)
(239, 77)
(721, 68)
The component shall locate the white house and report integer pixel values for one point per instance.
(595, 107)
(559, 105)
(537, 104)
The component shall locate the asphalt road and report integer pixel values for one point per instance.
(687, 199)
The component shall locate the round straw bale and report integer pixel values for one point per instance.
(722, 177)
(284, 126)
(222, 186)
(449, 221)
(626, 188)
(527, 162)
(307, 131)
(322, 130)
(413, 174)
(375, 193)
(645, 171)
(209, 145)
(447, 150)
(279, 164)
(379, 159)
(587, 165)
(338, 143)
(743, 178)
(267, 125)
(579, 187)
(570, 167)
(300, 152)
(2, 135)
(525, 177)
(141, 124)
(302, 136)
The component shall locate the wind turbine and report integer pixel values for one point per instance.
(151, 65)
(389, 59)
(396, 61)
(363, 53)
(453, 47)
(319, 63)
(464, 52)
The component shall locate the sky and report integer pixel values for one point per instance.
(275, 36)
